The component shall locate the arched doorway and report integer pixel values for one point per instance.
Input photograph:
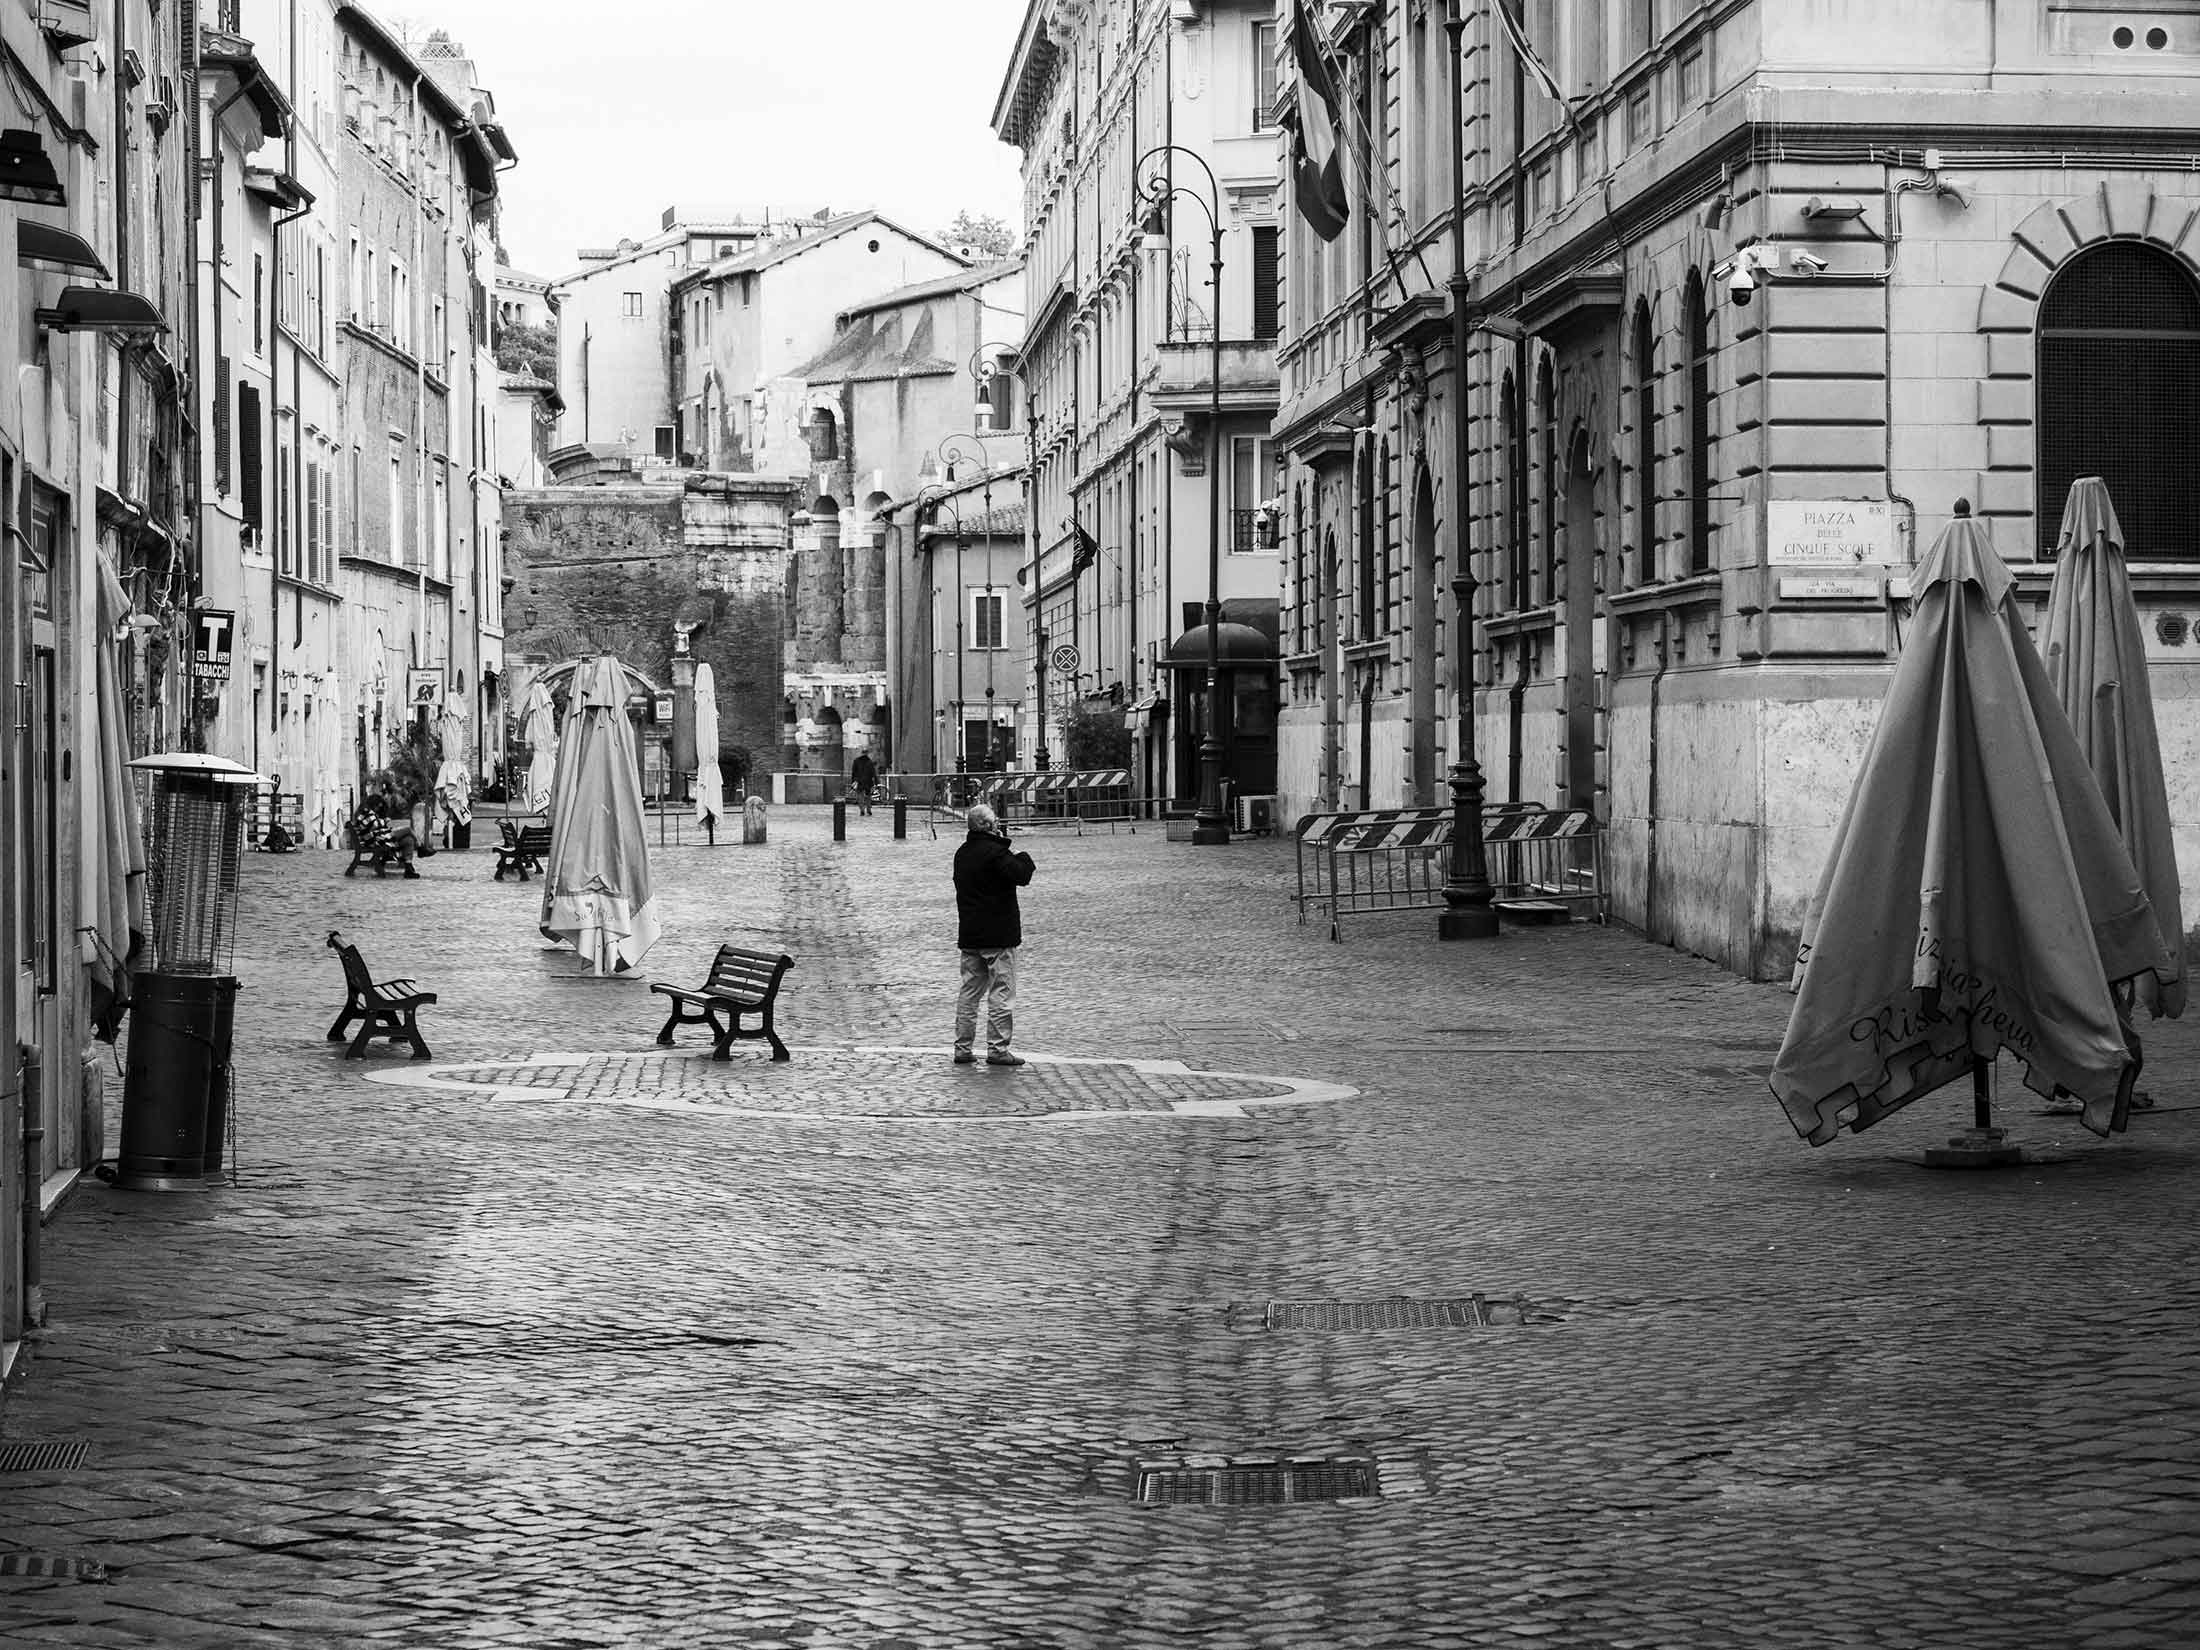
(1582, 554)
(1425, 710)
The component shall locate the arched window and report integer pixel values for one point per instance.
(1646, 448)
(2119, 395)
(1516, 493)
(1369, 591)
(1546, 410)
(1697, 318)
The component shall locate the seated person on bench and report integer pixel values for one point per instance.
(397, 824)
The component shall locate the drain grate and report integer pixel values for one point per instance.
(1401, 1312)
(1255, 1483)
(58, 1569)
(59, 1456)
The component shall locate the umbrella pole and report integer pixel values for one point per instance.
(1982, 1146)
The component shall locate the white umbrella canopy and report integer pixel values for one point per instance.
(596, 886)
(710, 794)
(452, 792)
(328, 760)
(1977, 896)
(2096, 659)
(539, 728)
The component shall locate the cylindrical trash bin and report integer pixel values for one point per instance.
(219, 1076)
(173, 1022)
(462, 835)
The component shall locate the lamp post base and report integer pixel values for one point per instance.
(1210, 836)
(1467, 922)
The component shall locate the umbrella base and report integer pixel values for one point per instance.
(1975, 1149)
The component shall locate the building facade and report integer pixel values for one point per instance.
(1753, 302)
(1127, 346)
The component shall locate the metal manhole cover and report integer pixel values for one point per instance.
(1401, 1312)
(1255, 1483)
(51, 1456)
(58, 1569)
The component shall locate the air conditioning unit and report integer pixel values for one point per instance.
(1256, 816)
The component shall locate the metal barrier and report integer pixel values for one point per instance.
(1075, 797)
(1543, 862)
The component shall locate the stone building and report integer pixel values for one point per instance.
(420, 581)
(914, 386)
(615, 328)
(738, 325)
(1753, 302)
(1118, 358)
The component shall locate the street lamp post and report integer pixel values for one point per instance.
(1468, 912)
(1209, 827)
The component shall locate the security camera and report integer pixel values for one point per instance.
(1807, 263)
(1741, 281)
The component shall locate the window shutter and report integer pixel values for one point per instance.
(312, 560)
(250, 482)
(1264, 281)
(221, 424)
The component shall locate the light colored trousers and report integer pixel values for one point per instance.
(990, 975)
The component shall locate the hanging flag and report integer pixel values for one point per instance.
(1088, 551)
(1317, 170)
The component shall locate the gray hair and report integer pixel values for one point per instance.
(982, 818)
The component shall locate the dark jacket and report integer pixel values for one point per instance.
(987, 874)
(864, 772)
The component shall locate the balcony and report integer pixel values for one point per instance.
(1249, 380)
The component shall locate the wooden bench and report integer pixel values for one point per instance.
(522, 850)
(385, 1008)
(740, 982)
(371, 845)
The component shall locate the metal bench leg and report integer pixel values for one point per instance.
(779, 1049)
(336, 1031)
(412, 1036)
(721, 1047)
(664, 1037)
(358, 1049)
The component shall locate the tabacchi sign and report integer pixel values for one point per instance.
(1828, 532)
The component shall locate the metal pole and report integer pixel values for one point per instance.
(1209, 828)
(1468, 913)
(1039, 656)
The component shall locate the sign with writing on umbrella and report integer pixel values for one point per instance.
(2097, 660)
(1977, 897)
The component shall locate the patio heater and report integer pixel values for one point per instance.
(175, 1095)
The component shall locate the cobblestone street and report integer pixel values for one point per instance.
(561, 1339)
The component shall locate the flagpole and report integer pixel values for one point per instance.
(1468, 913)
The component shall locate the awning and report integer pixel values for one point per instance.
(1237, 646)
(49, 244)
(1139, 712)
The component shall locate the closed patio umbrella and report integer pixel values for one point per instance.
(113, 866)
(596, 890)
(1977, 896)
(2096, 659)
(328, 760)
(539, 727)
(453, 792)
(710, 793)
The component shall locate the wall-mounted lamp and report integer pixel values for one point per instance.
(26, 174)
(97, 309)
(1153, 227)
(1833, 206)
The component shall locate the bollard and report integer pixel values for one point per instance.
(752, 820)
(840, 819)
(901, 819)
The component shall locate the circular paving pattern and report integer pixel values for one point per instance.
(867, 1084)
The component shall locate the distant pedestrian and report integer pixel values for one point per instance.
(863, 776)
(989, 928)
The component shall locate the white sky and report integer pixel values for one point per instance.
(620, 110)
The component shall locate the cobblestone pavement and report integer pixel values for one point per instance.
(563, 1340)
